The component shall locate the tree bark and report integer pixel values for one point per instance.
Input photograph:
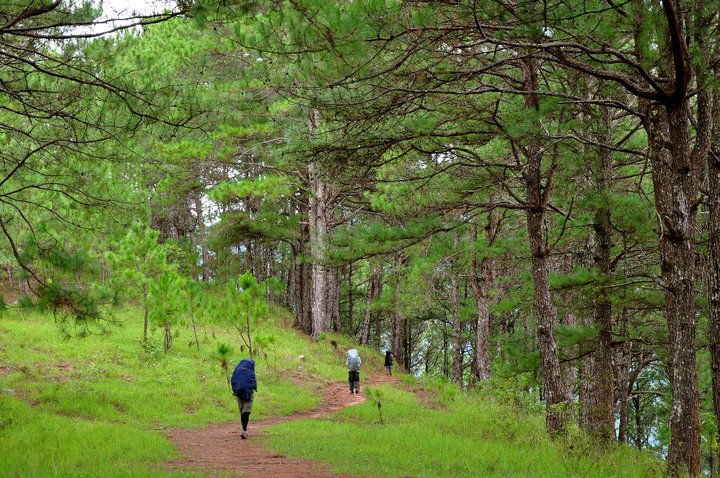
(334, 297)
(302, 281)
(622, 357)
(202, 238)
(374, 287)
(378, 330)
(600, 419)
(11, 282)
(638, 422)
(145, 305)
(322, 276)
(569, 369)
(349, 324)
(713, 272)
(675, 182)
(167, 341)
(710, 102)
(398, 325)
(457, 362)
(481, 365)
(536, 207)
(321, 320)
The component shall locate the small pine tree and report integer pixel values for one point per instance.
(166, 301)
(222, 354)
(140, 260)
(242, 306)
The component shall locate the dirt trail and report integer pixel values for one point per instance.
(218, 449)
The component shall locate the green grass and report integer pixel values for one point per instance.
(473, 437)
(68, 407)
(37, 444)
(99, 406)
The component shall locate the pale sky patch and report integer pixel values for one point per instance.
(117, 9)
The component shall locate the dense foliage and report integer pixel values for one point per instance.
(521, 193)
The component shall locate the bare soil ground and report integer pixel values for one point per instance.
(219, 450)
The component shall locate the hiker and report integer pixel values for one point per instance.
(353, 364)
(388, 361)
(244, 385)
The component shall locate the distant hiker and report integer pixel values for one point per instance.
(353, 365)
(388, 361)
(244, 385)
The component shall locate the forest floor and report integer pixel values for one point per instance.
(219, 450)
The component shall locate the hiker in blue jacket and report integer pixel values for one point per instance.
(244, 385)
(353, 363)
(389, 356)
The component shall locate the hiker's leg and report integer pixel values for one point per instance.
(351, 379)
(245, 409)
(357, 382)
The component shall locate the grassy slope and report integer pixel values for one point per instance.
(97, 406)
(472, 437)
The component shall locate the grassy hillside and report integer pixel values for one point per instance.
(100, 405)
(466, 436)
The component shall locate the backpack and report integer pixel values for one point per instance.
(243, 379)
(353, 360)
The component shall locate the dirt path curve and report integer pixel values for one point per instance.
(218, 448)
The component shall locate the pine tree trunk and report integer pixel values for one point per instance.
(408, 346)
(202, 239)
(11, 282)
(398, 325)
(622, 358)
(168, 338)
(145, 305)
(319, 230)
(638, 422)
(482, 368)
(446, 362)
(374, 286)
(24, 288)
(303, 274)
(334, 297)
(676, 189)
(249, 252)
(348, 329)
(713, 274)
(457, 362)
(600, 419)
(584, 386)
(365, 333)
(536, 204)
(194, 327)
(569, 369)
(378, 330)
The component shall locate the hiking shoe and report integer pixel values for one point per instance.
(243, 435)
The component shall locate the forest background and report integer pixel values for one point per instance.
(521, 195)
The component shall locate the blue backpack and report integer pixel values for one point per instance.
(243, 379)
